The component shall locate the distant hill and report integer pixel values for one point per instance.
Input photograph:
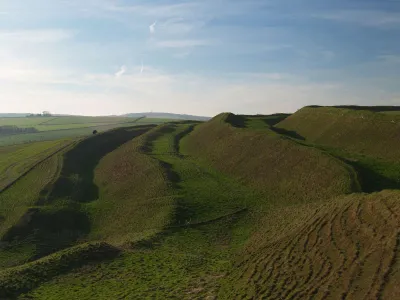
(167, 116)
(10, 115)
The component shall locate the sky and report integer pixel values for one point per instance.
(203, 57)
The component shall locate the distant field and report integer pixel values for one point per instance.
(15, 160)
(85, 120)
(24, 122)
(54, 128)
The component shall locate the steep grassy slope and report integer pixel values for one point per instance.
(134, 198)
(364, 139)
(286, 171)
(361, 131)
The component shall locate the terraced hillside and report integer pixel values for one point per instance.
(234, 208)
(283, 169)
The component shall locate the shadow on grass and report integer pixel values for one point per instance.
(289, 133)
(48, 229)
(372, 181)
(236, 120)
(76, 179)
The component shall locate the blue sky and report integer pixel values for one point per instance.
(101, 57)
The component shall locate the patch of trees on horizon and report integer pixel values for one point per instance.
(44, 114)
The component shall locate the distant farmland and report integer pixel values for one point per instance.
(54, 128)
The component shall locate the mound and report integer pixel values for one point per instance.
(134, 195)
(284, 170)
(17, 280)
(362, 131)
(347, 249)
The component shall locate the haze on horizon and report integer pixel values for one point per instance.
(106, 57)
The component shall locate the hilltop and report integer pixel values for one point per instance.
(238, 207)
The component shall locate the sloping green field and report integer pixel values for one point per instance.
(239, 207)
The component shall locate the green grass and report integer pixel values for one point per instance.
(357, 131)
(215, 214)
(24, 122)
(85, 120)
(60, 215)
(289, 172)
(19, 279)
(195, 248)
(15, 160)
(16, 202)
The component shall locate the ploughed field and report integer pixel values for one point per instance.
(302, 206)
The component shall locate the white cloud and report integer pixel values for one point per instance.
(101, 94)
(121, 72)
(152, 27)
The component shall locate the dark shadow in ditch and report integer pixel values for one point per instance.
(76, 179)
(288, 133)
(370, 180)
(49, 229)
(236, 120)
(61, 222)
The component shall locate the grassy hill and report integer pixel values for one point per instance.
(283, 169)
(239, 207)
(356, 130)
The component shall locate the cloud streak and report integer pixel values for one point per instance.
(368, 18)
(36, 36)
(121, 72)
(183, 43)
(152, 27)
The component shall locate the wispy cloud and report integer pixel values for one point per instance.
(183, 43)
(121, 72)
(141, 68)
(36, 35)
(152, 27)
(370, 18)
